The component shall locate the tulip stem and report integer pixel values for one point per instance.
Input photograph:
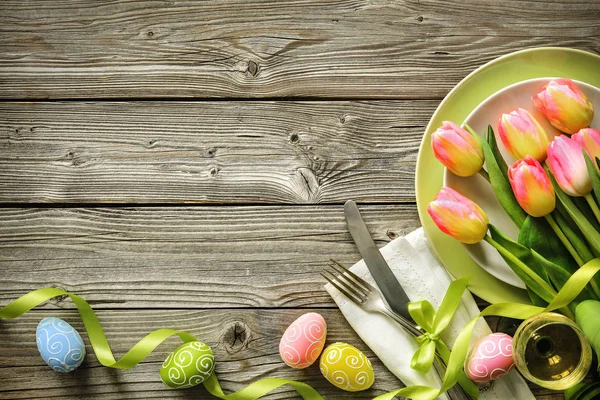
(485, 175)
(564, 239)
(590, 200)
(514, 259)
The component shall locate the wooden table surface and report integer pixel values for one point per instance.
(184, 164)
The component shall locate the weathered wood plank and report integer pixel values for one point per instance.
(245, 343)
(210, 152)
(239, 48)
(198, 256)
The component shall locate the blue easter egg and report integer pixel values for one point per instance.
(59, 344)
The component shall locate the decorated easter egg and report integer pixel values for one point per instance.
(188, 365)
(346, 367)
(59, 344)
(490, 358)
(303, 340)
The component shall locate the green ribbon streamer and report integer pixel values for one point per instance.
(434, 323)
(144, 347)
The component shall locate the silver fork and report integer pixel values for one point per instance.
(365, 295)
(370, 299)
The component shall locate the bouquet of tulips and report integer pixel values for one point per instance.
(551, 193)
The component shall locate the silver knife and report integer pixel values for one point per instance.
(391, 289)
(380, 270)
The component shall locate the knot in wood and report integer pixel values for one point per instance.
(294, 137)
(212, 152)
(236, 337)
(391, 234)
(252, 68)
(58, 300)
(214, 171)
(308, 185)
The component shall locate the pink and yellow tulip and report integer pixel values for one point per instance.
(532, 187)
(589, 139)
(457, 216)
(522, 135)
(457, 149)
(566, 161)
(564, 105)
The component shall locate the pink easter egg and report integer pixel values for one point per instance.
(490, 358)
(303, 340)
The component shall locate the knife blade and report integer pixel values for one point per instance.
(391, 289)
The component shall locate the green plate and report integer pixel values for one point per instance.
(475, 88)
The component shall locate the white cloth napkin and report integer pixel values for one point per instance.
(422, 277)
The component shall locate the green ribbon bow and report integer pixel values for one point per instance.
(434, 323)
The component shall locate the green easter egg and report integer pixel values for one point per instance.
(586, 316)
(188, 365)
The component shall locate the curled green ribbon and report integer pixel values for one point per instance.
(144, 347)
(433, 322)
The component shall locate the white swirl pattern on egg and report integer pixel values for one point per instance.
(179, 361)
(346, 367)
(303, 341)
(59, 344)
(482, 364)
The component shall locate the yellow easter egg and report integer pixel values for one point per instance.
(346, 367)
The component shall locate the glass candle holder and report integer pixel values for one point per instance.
(551, 351)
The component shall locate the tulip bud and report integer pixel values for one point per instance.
(532, 187)
(458, 216)
(522, 135)
(457, 149)
(566, 161)
(564, 105)
(589, 139)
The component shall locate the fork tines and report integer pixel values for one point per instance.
(348, 283)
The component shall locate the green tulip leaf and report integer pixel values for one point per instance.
(583, 391)
(501, 185)
(559, 276)
(573, 234)
(586, 316)
(491, 139)
(587, 212)
(540, 296)
(590, 233)
(536, 234)
(593, 172)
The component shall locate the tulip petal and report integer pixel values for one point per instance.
(564, 104)
(458, 217)
(532, 187)
(522, 135)
(457, 150)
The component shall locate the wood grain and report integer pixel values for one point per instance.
(245, 343)
(238, 48)
(210, 257)
(210, 152)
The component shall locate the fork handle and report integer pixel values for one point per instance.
(411, 327)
